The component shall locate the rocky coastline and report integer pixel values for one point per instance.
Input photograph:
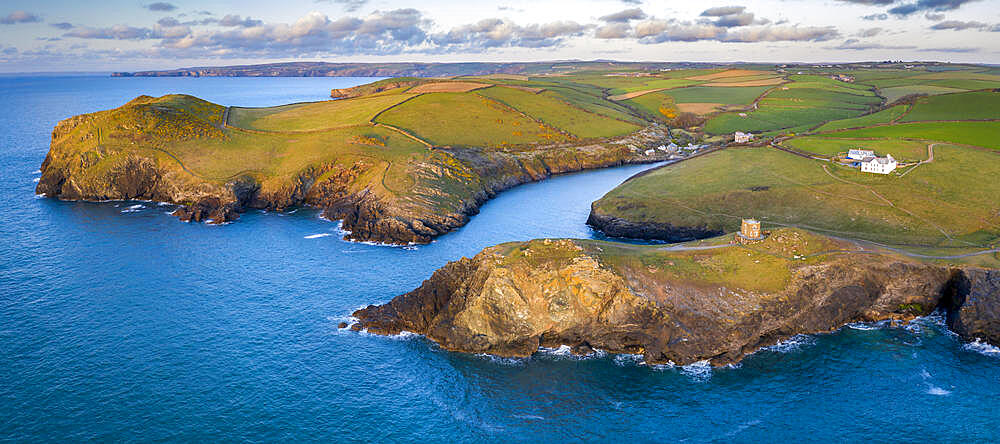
(511, 299)
(450, 185)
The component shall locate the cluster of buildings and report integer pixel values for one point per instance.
(741, 137)
(870, 163)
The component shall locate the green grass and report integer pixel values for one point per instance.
(560, 114)
(904, 150)
(977, 105)
(982, 134)
(894, 93)
(741, 95)
(314, 116)
(717, 190)
(463, 119)
(807, 101)
(884, 116)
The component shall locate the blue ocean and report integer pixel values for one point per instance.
(120, 323)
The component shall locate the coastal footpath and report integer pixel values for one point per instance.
(679, 305)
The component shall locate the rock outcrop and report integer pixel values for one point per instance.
(511, 299)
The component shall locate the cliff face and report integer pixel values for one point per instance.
(127, 153)
(510, 299)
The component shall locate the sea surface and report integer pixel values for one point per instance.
(120, 323)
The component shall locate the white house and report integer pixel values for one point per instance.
(742, 137)
(856, 154)
(878, 165)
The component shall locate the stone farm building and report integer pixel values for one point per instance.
(859, 154)
(878, 165)
(741, 137)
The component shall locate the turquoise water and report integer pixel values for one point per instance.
(119, 323)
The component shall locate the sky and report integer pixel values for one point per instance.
(130, 35)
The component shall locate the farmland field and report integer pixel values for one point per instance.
(314, 116)
(982, 134)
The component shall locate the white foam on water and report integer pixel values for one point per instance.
(35, 180)
(565, 351)
(133, 208)
(867, 326)
(937, 391)
(317, 236)
(40, 196)
(293, 211)
(36, 172)
(791, 344)
(983, 348)
(510, 362)
(627, 359)
(562, 350)
(700, 371)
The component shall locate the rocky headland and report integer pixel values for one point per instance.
(679, 305)
(160, 149)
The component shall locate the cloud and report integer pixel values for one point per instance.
(927, 5)
(63, 25)
(624, 16)
(783, 34)
(720, 11)
(873, 17)
(857, 45)
(493, 33)
(161, 7)
(934, 17)
(733, 16)
(658, 31)
(951, 50)
(870, 32)
(235, 20)
(871, 2)
(956, 25)
(117, 32)
(19, 17)
(613, 31)
(349, 5)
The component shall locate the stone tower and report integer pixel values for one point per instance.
(750, 229)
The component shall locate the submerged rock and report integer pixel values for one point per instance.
(672, 306)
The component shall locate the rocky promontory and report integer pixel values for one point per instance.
(678, 305)
(385, 186)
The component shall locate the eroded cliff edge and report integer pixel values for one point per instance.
(383, 185)
(679, 306)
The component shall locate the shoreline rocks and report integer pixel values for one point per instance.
(511, 299)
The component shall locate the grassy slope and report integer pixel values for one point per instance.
(807, 101)
(904, 150)
(729, 95)
(969, 133)
(977, 105)
(885, 116)
(717, 190)
(463, 119)
(314, 116)
(560, 114)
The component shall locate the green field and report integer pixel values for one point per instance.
(463, 119)
(903, 150)
(894, 93)
(314, 116)
(706, 94)
(882, 117)
(559, 114)
(977, 105)
(942, 204)
(982, 134)
(807, 101)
